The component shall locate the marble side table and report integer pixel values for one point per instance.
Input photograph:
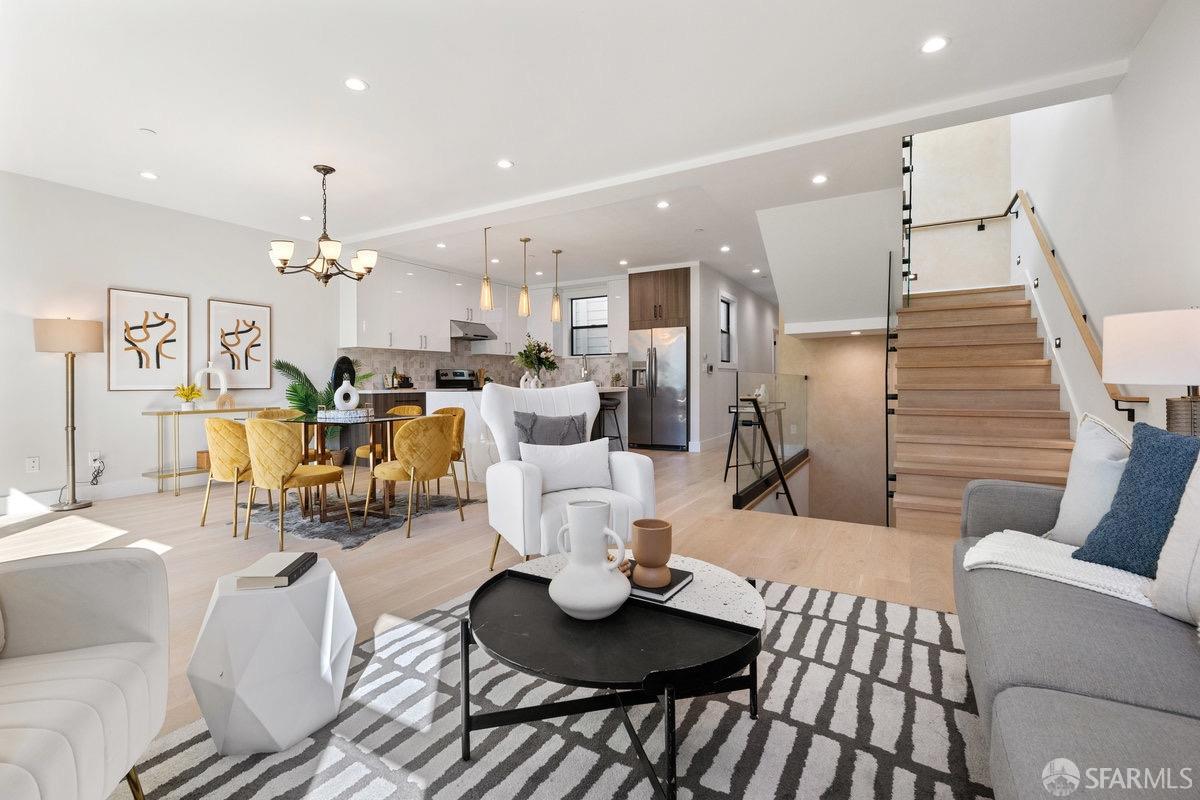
(270, 665)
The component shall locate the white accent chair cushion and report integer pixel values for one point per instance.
(1176, 587)
(1097, 463)
(83, 676)
(570, 466)
(519, 507)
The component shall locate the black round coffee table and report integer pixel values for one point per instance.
(697, 644)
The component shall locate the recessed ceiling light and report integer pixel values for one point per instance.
(147, 131)
(441, 245)
(819, 179)
(409, 274)
(934, 44)
(399, 291)
(724, 248)
(356, 84)
(756, 270)
(148, 175)
(856, 333)
(623, 263)
(538, 274)
(305, 218)
(495, 261)
(506, 163)
(458, 284)
(663, 204)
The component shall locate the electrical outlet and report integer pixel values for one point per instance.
(793, 430)
(93, 458)
(33, 464)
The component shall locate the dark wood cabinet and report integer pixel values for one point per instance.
(660, 299)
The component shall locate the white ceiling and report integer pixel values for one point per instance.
(723, 107)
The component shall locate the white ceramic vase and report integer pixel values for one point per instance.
(187, 405)
(346, 397)
(589, 586)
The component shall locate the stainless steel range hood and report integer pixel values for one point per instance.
(471, 331)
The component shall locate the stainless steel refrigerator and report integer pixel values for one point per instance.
(658, 388)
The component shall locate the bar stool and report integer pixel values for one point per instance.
(611, 404)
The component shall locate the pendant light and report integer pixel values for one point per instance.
(485, 288)
(523, 298)
(556, 301)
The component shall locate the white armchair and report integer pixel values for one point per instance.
(517, 509)
(83, 671)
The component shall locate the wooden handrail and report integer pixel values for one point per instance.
(1060, 277)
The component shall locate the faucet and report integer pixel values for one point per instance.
(584, 371)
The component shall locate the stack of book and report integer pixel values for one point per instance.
(276, 570)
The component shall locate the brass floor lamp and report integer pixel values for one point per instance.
(69, 336)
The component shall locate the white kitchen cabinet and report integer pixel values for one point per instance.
(398, 306)
(505, 323)
(464, 299)
(618, 315)
(538, 325)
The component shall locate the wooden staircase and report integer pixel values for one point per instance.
(974, 400)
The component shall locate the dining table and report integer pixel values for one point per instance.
(316, 428)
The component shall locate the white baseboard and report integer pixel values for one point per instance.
(21, 503)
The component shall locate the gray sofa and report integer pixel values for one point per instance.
(1063, 672)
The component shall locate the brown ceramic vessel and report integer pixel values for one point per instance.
(651, 550)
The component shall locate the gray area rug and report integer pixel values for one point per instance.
(335, 529)
(859, 699)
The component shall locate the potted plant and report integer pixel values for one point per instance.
(188, 394)
(303, 394)
(535, 356)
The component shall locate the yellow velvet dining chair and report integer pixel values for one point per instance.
(420, 452)
(229, 461)
(363, 451)
(275, 463)
(458, 453)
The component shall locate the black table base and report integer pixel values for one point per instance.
(664, 788)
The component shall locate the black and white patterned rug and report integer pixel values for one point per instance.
(859, 699)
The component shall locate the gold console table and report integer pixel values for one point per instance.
(174, 472)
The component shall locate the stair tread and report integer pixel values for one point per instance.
(978, 290)
(948, 505)
(981, 471)
(976, 343)
(964, 306)
(997, 362)
(974, 323)
(988, 441)
(976, 387)
(1048, 413)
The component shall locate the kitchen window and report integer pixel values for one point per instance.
(726, 331)
(589, 326)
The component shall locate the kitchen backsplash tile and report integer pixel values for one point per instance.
(421, 364)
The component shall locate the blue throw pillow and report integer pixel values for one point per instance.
(1131, 535)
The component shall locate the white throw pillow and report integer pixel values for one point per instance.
(1097, 463)
(1176, 588)
(572, 466)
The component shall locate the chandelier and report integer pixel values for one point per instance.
(324, 265)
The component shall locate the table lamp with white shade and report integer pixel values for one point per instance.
(1158, 348)
(69, 336)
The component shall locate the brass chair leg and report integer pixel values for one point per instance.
(439, 484)
(367, 505)
(495, 549)
(135, 784)
(345, 501)
(466, 474)
(270, 503)
(388, 491)
(412, 485)
(207, 492)
(457, 496)
(249, 505)
(237, 484)
(282, 509)
(353, 471)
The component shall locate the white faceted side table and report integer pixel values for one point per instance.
(270, 665)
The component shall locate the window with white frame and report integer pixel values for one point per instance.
(727, 332)
(589, 326)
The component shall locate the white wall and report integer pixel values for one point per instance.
(961, 171)
(65, 248)
(829, 260)
(756, 320)
(1114, 180)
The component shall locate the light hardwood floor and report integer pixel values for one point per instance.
(391, 578)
